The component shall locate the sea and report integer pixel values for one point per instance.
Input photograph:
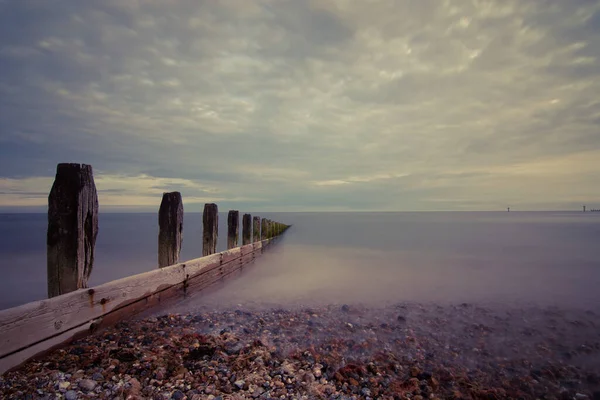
(534, 258)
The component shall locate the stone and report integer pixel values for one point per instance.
(71, 395)
(177, 395)
(87, 385)
(239, 384)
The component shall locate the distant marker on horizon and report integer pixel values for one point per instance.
(508, 209)
(583, 208)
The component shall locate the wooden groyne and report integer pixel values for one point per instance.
(73, 310)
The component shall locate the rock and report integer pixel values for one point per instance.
(177, 395)
(345, 308)
(580, 396)
(233, 348)
(71, 395)
(401, 318)
(64, 385)
(239, 384)
(97, 376)
(87, 384)
(317, 372)
(365, 392)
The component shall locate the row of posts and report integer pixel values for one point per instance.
(170, 218)
(73, 228)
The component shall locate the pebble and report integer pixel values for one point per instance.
(87, 385)
(345, 353)
(71, 395)
(239, 384)
(178, 395)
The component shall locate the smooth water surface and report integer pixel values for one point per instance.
(534, 257)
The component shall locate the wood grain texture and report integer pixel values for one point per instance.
(233, 229)
(210, 223)
(35, 327)
(72, 228)
(170, 234)
(246, 229)
(256, 229)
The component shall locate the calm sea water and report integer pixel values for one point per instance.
(532, 257)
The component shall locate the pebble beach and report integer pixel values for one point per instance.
(342, 351)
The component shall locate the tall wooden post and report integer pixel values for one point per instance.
(170, 234)
(246, 229)
(233, 229)
(72, 228)
(263, 229)
(210, 223)
(255, 229)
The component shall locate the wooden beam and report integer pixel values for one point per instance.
(246, 229)
(72, 228)
(33, 328)
(233, 229)
(210, 222)
(170, 234)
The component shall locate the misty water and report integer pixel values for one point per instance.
(537, 258)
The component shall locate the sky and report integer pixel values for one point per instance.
(304, 105)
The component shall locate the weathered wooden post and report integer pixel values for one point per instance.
(72, 228)
(233, 229)
(263, 229)
(210, 224)
(170, 234)
(255, 229)
(246, 229)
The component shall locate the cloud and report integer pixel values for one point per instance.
(288, 105)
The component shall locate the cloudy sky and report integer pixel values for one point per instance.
(298, 105)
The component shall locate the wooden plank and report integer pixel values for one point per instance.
(72, 228)
(170, 222)
(248, 248)
(25, 325)
(230, 254)
(32, 328)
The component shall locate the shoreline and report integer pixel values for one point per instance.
(404, 350)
